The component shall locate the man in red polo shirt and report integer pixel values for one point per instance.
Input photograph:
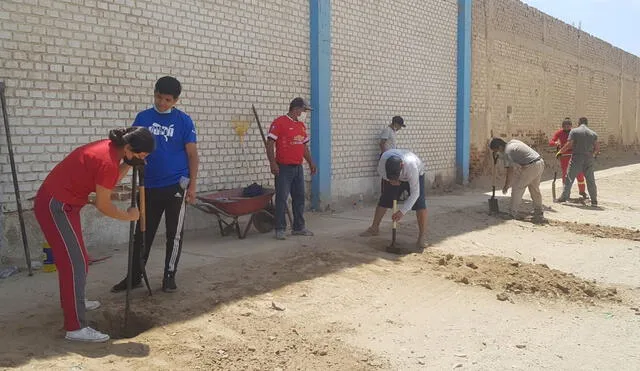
(559, 140)
(287, 148)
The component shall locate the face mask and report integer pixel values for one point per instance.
(302, 117)
(157, 110)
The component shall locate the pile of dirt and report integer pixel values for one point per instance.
(513, 278)
(600, 231)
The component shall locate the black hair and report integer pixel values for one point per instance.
(168, 85)
(392, 167)
(567, 121)
(298, 102)
(496, 143)
(397, 120)
(140, 139)
(583, 121)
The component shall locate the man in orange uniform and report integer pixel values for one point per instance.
(559, 140)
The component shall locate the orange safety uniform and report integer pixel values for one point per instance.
(563, 136)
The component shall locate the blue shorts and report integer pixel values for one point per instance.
(391, 192)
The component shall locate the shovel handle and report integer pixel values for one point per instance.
(143, 209)
(395, 208)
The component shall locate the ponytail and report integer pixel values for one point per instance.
(140, 139)
(117, 136)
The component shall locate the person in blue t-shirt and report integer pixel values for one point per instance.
(170, 178)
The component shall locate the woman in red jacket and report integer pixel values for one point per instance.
(95, 167)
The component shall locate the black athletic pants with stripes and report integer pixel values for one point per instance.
(169, 201)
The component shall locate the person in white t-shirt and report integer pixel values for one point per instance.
(401, 169)
(388, 134)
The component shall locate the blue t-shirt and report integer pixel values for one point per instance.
(169, 162)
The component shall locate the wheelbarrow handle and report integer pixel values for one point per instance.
(206, 207)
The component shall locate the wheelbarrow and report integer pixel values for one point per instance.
(229, 205)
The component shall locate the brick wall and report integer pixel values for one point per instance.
(75, 69)
(392, 58)
(531, 70)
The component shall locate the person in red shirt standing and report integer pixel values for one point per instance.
(559, 140)
(286, 149)
(94, 167)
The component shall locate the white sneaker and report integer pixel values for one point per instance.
(91, 304)
(88, 335)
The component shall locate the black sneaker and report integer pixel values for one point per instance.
(122, 285)
(169, 283)
(584, 195)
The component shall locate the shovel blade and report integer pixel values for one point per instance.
(493, 205)
(393, 238)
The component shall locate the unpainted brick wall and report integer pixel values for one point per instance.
(530, 70)
(392, 57)
(75, 70)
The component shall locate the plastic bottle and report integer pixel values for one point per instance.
(47, 263)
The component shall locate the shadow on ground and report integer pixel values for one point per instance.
(222, 275)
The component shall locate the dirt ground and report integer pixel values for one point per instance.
(488, 294)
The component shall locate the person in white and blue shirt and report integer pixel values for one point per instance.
(170, 179)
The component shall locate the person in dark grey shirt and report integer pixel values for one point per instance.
(583, 142)
(531, 167)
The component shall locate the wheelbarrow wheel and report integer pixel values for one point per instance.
(264, 220)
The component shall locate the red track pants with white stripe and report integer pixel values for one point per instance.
(60, 224)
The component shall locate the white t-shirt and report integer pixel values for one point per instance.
(412, 168)
(389, 135)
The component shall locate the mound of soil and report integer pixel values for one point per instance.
(600, 231)
(512, 278)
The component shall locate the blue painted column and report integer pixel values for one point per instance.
(463, 117)
(320, 40)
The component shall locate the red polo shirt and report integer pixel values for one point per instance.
(77, 175)
(291, 138)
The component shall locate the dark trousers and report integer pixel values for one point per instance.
(290, 180)
(169, 201)
(581, 163)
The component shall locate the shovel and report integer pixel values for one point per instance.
(393, 248)
(143, 227)
(137, 173)
(132, 229)
(553, 185)
(493, 201)
(555, 177)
